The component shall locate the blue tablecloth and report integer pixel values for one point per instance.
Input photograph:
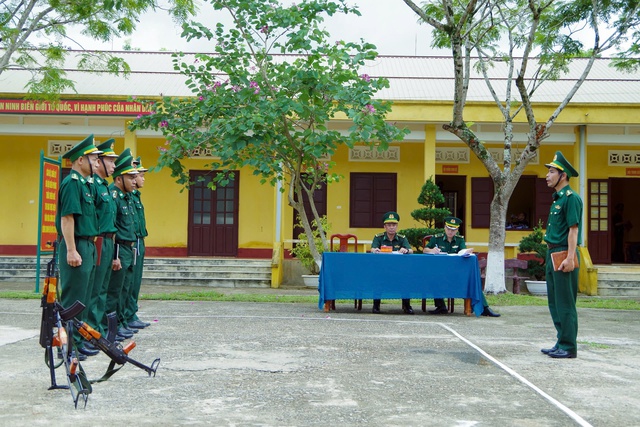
(348, 275)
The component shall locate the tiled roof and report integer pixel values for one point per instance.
(411, 78)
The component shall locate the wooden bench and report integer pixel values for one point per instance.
(513, 264)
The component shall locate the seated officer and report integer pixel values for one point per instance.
(391, 241)
(451, 243)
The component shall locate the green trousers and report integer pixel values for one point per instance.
(98, 299)
(131, 303)
(562, 292)
(118, 283)
(76, 282)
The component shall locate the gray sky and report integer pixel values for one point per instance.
(389, 24)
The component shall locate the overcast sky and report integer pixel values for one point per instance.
(389, 24)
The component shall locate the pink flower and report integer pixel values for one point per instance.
(162, 149)
(255, 86)
(200, 98)
(365, 77)
(264, 29)
(369, 109)
(164, 124)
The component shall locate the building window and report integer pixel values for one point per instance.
(370, 196)
(528, 205)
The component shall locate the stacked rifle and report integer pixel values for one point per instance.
(56, 332)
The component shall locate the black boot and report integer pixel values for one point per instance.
(406, 306)
(376, 306)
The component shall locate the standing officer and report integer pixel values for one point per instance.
(124, 257)
(106, 211)
(451, 243)
(394, 242)
(563, 234)
(131, 308)
(77, 226)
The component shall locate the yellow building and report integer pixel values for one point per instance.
(599, 132)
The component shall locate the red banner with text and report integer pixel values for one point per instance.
(115, 108)
(50, 181)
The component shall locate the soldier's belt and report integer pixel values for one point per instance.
(108, 235)
(128, 243)
(91, 239)
(551, 246)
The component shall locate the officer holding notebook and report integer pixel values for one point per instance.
(563, 234)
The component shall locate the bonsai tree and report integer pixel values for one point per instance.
(302, 251)
(534, 243)
(430, 197)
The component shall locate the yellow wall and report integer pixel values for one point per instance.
(19, 177)
(167, 206)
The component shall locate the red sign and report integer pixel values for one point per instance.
(49, 205)
(449, 168)
(633, 171)
(101, 108)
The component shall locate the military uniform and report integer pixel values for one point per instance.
(126, 225)
(454, 246)
(77, 197)
(562, 287)
(398, 242)
(106, 210)
(131, 306)
(446, 246)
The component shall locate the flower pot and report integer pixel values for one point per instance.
(311, 280)
(536, 287)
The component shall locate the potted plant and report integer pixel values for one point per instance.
(535, 250)
(302, 252)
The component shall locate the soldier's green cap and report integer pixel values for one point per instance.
(107, 148)
(562, 164)
(126, 153)
(452, 222)
(138, 163)
(391, 217)
(125, 167)
(82, 148)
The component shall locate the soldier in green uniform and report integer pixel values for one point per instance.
(106, 211)
(77, 226)
(393, 242)
(563, 233)
(131, 308)
(126, 222)
(451, 243)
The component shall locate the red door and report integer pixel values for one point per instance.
(213, 216)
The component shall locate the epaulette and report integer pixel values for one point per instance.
(379, 234)
(569, 192)
(462, 237)
(402, 236)
(74, 176)
(439, 235)
(114, 193)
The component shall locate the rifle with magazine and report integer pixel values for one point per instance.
(117, 353)
(56, 328)
(55, 331)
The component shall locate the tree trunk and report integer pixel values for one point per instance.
(494, 280)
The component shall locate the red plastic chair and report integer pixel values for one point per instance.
(343, 240)
(450, 301)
